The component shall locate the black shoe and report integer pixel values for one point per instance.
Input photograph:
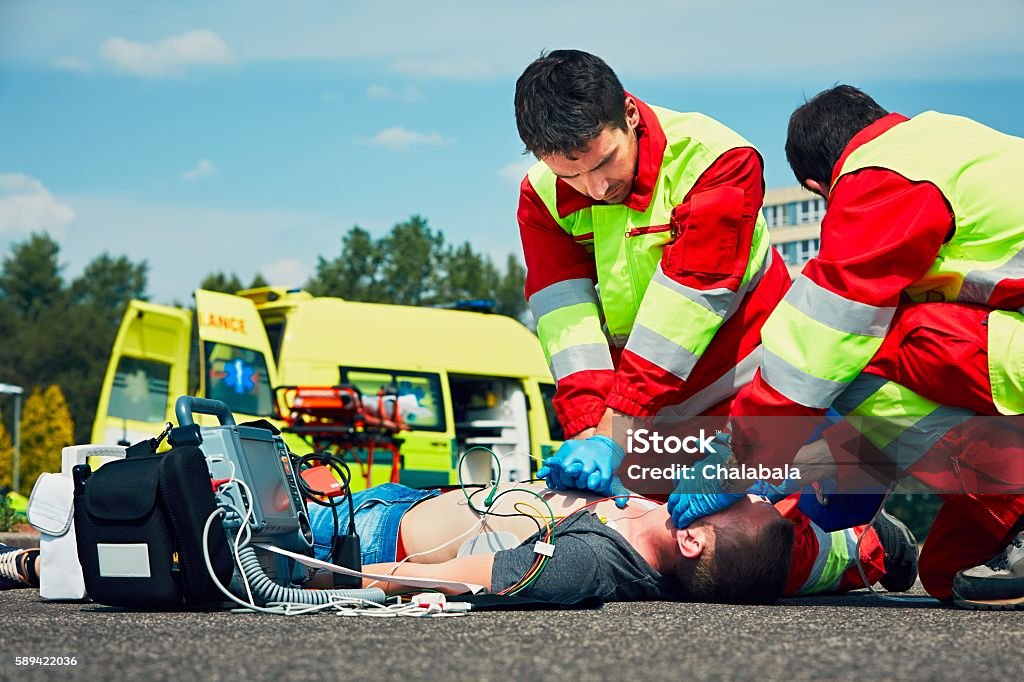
(998, 584)
(900, 547)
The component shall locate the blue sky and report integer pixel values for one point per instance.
(249, 136)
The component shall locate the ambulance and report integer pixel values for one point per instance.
(461, 379)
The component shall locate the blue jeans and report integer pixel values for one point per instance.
(378, 511)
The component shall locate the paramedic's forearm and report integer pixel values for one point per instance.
(815, 462)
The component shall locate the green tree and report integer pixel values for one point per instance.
(229, 283)
(410, 259)
(31, 280)
(219, 281)
(108, 283)
(46, 428)
(509, 294)
(465, 274)
(6, 458)
(354, 274)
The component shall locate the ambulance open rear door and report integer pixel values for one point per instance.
(148, 370)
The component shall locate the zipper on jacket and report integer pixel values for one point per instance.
(652, 229)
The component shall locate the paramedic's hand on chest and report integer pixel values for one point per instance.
(588, 464)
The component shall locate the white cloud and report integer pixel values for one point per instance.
(72, 64)
(513, 171)
(202, 169)
(170, 57)
(26, 206)
(407, 93)
(329, 96)
(400, 138)
(287, 272)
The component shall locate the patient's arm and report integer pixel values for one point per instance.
(475, 569)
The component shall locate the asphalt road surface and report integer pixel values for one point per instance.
(851, 637)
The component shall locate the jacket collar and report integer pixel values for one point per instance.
(866, 134)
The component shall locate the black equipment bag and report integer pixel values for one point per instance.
(139, 524)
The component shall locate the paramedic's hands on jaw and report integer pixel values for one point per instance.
(701, 496)
(587, 463)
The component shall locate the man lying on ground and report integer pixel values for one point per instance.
(617, 554)
(746, 554)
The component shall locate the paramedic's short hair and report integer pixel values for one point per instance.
(745, 566)
(565, 99)
(820, 129)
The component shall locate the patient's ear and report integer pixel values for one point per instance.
(692, 541)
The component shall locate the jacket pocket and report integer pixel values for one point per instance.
(709, 233)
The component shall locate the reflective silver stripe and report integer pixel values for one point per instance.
(851, 554)
(589, 356)
(717, 300)
(859, 390)
(831, 309)
(725, 386)
(978, 285)
(797, 385)
(562, 294)
(721, 301)
(658, 350)
(824, 549)
(919, 438)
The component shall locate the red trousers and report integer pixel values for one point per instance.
(940, 351)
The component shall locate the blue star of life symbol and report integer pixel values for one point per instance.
(239, 376)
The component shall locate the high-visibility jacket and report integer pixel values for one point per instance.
(819, 339)
(667, 279)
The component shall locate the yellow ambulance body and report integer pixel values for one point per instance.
(463, 378)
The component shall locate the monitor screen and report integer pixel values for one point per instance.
(270, 485)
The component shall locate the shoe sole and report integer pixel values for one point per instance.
(1015, 604)
(908, 536)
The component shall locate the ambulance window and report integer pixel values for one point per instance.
(420, 404)
(140, 390)
(547, 391)
(275, 332)
(238, 376)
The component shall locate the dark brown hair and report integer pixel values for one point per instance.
(564, 99)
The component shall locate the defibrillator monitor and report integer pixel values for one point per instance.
(262, 462)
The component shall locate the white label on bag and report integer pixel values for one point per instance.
(124, 561)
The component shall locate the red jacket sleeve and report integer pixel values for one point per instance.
(881, 233)
(714, 225)
(552, 257)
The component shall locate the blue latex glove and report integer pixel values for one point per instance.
(776, 492)
(694, 499)
(588, 464)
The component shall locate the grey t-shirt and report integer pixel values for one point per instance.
(590, 559)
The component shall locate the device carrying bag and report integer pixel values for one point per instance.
(140, 532)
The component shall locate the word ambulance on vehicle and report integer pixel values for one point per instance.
(460, 378)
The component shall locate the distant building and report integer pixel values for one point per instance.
(794, 222)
